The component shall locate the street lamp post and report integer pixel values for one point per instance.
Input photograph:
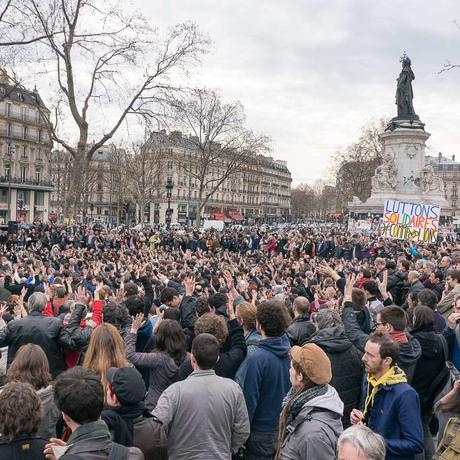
(11, 152)
(169, 187)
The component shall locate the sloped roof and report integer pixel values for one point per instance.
(14, 92)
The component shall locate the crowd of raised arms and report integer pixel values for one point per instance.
(290, 343)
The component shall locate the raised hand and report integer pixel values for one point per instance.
(383, 285)
(137, 322)
(82, 296)
(189, 284)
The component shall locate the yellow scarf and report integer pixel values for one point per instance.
(393, 376)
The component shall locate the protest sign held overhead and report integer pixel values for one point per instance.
(411, 221)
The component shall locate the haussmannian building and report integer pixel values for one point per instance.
(103, 196)
(449, 171)
(260, 193)
(25, 148)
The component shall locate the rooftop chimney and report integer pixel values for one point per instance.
(439, 157)
(453, 157)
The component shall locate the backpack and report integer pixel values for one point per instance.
(445, 380)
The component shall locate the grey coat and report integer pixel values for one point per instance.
(314, 432)
(51, 413)
(205, 417)
(163, 369)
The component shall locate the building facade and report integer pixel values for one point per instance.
(25, 147)
(103, 195)
(259, 193)
(449, 171)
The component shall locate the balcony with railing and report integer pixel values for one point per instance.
(24, 136)
(20, 182)
(24, 117)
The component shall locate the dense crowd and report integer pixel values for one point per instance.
(291, 343)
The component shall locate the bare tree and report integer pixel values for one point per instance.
(221, 145)
(95, 54)
(143, 170)
(354, 166)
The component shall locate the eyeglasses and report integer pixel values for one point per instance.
(379, 324)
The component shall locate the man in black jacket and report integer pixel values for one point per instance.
(301, 328)
(45, 331)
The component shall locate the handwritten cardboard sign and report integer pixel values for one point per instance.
(411, 221)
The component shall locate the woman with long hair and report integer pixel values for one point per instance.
(106, 349)
(169, 353)
(312, 406)
(31, 365)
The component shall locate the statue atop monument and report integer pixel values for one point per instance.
(404, 93)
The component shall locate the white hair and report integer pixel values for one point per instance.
(37, 301)
(364, 440)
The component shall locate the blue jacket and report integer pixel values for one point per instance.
(396, 416)
(252, 339)
(267, 383)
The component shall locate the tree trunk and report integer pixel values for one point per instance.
(78, 182)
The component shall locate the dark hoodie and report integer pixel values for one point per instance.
(346, 366)
(429, 365)
(267, 383)
(409, 354)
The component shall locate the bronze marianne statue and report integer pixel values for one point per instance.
(404, 93)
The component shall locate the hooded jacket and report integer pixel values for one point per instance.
(346, 366)
(314, 432)
(267, 383)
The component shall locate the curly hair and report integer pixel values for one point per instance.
(20, 410)
(210, 323)
(30, 365)
(273, 318)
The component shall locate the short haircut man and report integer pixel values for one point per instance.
(394, 316)
(301, 305)
(79, 395)
(205, 350)
(204, 403)
(428, 298)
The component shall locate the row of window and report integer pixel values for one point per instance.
(24, 195)
(24, 133)
(24, 152)
(34, 116)
(23, 173)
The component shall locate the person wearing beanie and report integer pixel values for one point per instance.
(310, 423)
(128, 419)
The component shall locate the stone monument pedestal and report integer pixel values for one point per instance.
(403, 174)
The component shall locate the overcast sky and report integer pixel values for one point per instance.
(310, 73)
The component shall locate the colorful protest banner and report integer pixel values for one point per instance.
(411, 221)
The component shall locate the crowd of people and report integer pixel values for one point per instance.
(287, 344)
